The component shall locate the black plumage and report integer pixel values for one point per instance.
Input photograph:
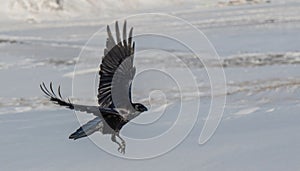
(115, 107)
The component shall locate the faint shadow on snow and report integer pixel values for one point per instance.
(241, 2)
(241, 60)
(10, 41)
(30, 63)
(244, 97)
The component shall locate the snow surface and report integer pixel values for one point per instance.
(259, 49)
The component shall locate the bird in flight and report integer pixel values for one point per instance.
(115, 107)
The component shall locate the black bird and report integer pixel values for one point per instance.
(114, 92)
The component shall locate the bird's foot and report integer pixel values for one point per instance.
(122, 146)
(121, 149)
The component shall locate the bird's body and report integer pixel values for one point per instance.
(114, 92)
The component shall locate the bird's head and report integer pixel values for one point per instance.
(140, 107)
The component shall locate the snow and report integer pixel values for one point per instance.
(39, 10)
(258, 48)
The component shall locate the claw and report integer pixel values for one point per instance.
(123, 144)
(121, 149)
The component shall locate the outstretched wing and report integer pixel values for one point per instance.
(117, 70)
(97, 111)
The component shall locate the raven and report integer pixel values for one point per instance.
(115, 107)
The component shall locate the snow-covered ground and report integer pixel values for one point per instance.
(258, 44)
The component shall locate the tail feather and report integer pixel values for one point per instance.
(87, 129)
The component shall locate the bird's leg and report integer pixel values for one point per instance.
(122, 148)
(113, 138)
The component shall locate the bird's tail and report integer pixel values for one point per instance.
(87, 129)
